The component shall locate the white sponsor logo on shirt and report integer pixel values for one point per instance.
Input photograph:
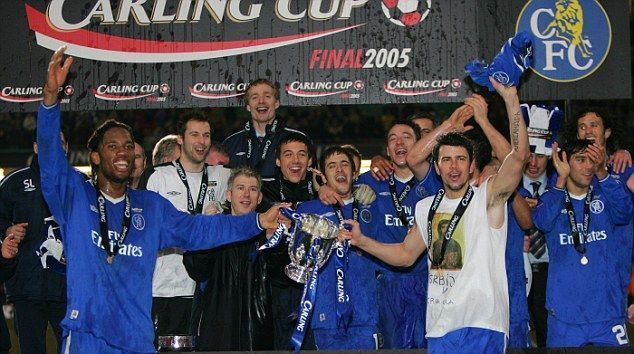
(125, 250)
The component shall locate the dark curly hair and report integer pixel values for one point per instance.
(453, 139)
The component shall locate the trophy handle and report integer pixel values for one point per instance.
(291, 254)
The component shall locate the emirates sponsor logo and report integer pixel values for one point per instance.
(54, 28)
(214, 91)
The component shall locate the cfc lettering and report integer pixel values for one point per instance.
(559, 48)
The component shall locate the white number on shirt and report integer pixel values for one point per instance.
(621, 334)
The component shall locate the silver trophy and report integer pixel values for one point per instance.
(310, 229)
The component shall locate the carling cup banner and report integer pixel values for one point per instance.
(138, 54)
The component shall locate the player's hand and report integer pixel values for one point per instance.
(318, 178)
(354, 234)
(381, 168)
(457, 119)
(620, 161)
(507, 92)
(10, 245)
(213, 208)
(327, 195)
(561, 165)
(18, 230)
(480, 108)
(597, 154)
(532, 202)
(270, 218)
(56, 75)
(630, 314)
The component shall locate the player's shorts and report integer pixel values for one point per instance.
(468, 340)
(608, 333)
(402, 311)
(354, 338)
(519, 335)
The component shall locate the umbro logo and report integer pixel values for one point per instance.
(94, 208)
(173, 193)
(240, 153)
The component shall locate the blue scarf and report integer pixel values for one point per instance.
(507, 66)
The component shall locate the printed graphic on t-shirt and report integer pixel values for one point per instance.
(455, 247)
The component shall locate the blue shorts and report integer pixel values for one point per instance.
(84, 342)
(355, 338)
(468, 340)
(519, 335)
(611, 333)
(402, 311)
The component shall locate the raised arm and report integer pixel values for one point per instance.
(396, 254)
(58, 177)
(417, 156)
(504, 183)
(500, 145)
(199, 232)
